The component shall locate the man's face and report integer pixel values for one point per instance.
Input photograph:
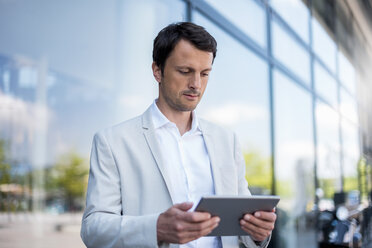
(185, 77)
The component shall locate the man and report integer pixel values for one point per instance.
(147, 172)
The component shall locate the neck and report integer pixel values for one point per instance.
(182, 119)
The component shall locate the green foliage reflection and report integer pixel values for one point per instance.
(258, 171)
(67, 179)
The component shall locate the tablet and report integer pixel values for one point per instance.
(231, 209)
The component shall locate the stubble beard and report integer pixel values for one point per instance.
(176, 102)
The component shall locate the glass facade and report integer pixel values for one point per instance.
(281, 80)
(294, 163)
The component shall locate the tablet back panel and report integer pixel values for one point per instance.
(232, 209)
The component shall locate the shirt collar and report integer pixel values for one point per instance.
(160, 120)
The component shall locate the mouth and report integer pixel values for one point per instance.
(191, 96)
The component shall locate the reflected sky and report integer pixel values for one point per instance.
(290, 53)
(246, 15)
(99, 73)
(237, 92)
(296, 14)
(75, 42)
(98, 57)
(348, 106)
(294, 155)
(346, 73)
(328, 144)
(324, 47)
(325, 85)
(350, 147)
(293, 118)
(137, 88)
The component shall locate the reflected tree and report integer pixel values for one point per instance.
(5, 177)
(5, 169)
(67, 180)
(258, 172)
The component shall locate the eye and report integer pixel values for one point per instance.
(183, 71)
(205, 74)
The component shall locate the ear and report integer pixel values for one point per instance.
(156, 71)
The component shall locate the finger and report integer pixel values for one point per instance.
(194, 217)
(192, 235)
(263, 215)
(259, 223)
(258, 231)
(202, 225)
(255, 235)
(184, 206)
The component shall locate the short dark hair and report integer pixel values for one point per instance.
(169, 36)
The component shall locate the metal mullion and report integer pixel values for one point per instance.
(271, 62)
(189, 8)
(290, 74)
(223, 23)
(271, 98)
(314, 99)
(341, 155)
(280, 21)
(325, 67)
(324, 100)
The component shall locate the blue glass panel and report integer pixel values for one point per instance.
(246, 15)
(290, 53)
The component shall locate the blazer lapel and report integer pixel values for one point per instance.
(211, 148)
(150, 136)
(221, 163)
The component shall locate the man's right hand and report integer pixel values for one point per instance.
(176, 225)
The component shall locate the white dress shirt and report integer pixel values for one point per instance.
(186, 159)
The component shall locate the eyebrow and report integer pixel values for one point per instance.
(192, 69)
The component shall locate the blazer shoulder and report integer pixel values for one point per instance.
(128, 127)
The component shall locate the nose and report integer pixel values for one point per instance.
(195, 81)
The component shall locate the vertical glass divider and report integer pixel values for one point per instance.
(271, 94)
(316, 181)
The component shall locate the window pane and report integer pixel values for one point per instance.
(136, 52)
(328, 152)
(325, 85)
(290, 53)
(348, 106)
(296, 14)
(347, 73)
(67, 70)
(237, 97)
(324, 46)
(351, 154)
(294, 162)
(246, 15)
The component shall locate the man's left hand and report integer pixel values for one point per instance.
(259, 225)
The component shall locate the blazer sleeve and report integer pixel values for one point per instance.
(104, 224)
(243, 190)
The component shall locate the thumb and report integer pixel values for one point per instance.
(184, 206)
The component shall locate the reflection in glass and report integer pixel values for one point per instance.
(296, 14)
(290, 53)
(328, 151)
(350, 154)
(67, 70)
(137, 87)
(325, 84)
(346, 73)
(294, 163)
(348, 106)
(324, 47)
(246, 15)
(237, 97)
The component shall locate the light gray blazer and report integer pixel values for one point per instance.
(127, 188)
